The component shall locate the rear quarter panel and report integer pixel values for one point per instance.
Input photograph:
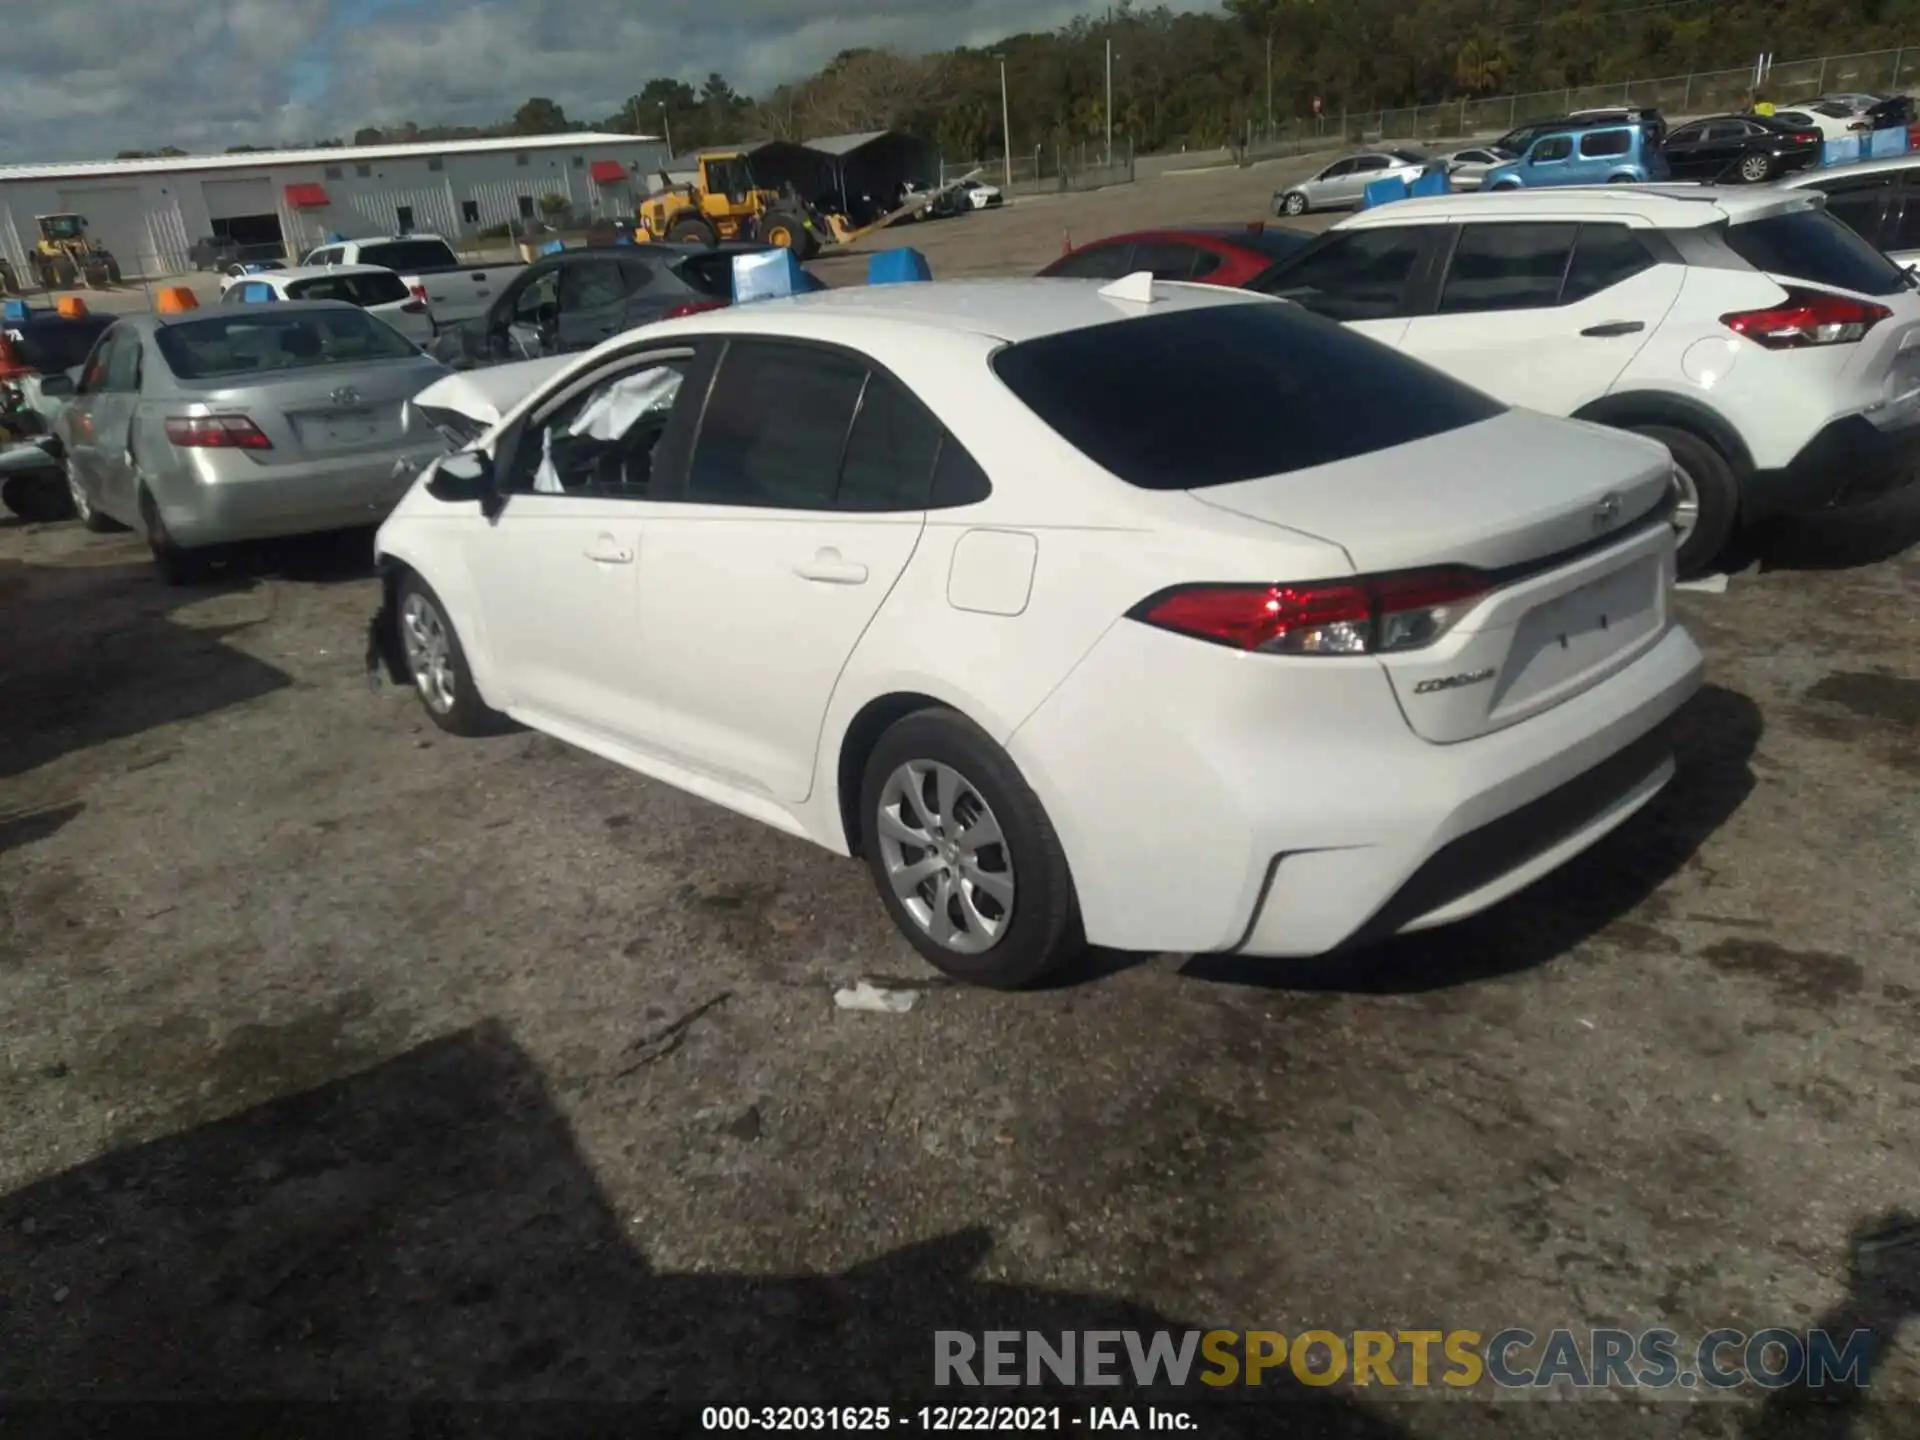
(1100, 546)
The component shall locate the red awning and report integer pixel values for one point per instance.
(608, 172)
(306, 197)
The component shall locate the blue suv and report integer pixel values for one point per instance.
(1600, 155)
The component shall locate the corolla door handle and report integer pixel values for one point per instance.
(827, 568)
(608, 551)
(1615, 327)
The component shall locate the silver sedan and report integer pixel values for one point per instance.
(1343, 184)
(1467, 168)
(245, 423)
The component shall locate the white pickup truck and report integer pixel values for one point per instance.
(454, 291)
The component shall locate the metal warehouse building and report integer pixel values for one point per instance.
(157, 215)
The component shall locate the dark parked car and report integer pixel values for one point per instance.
(1652, 123)
(42, 343)
(575, 299)
(1744, 149)
(1210, 254)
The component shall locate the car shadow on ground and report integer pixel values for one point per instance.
(427, 1229)
(332, 558)
(1838, 539)
(25, 827)
(1882, 1292)
(90, 654)
(1715, 738)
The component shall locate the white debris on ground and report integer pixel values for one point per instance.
(871, 997)
(1705, 585)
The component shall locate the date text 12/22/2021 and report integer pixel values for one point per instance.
(944, 1419)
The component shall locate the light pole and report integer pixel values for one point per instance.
(1006, 126)
(666, 125)
(1269, 85)
(1109, 102)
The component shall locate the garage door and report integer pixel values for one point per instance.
(228, 198)
(117, 218)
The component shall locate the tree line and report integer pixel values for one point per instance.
(1194, 79)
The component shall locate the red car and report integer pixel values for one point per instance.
(1227, 255)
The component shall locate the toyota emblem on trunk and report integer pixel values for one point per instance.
(346, 395)
(1606, 512)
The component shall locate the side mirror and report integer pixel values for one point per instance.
(464, 475)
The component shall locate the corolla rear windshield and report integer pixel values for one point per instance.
(257, 342)
(1231, 392)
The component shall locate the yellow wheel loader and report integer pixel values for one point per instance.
(67, 256)
(725, 203)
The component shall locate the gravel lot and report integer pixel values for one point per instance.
(342, 1059)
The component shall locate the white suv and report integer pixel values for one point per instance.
(1774, 353)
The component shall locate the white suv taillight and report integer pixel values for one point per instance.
(1807, 318)
(1368, 615)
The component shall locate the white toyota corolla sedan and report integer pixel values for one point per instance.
(1162, 617)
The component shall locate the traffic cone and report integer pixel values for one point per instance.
(1066, 242)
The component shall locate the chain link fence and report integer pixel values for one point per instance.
(1703, 92)
(1050, 169)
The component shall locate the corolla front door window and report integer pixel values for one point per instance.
(559, 565)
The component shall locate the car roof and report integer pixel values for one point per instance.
(1801, 179)
(147, 323)
(1244, 234)
(1007, 310)
(309, 272)
(1668, 207)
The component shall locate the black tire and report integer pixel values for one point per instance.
(1718, 491)
(1040, 930)
(463, 712)
(785, 229)
(1754, 169)
(113, 272)
(176, 564)
(39, 498)
(692, 232)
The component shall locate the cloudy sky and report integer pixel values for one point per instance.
(80, 79)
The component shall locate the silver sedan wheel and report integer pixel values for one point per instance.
(429, 649)
(1295, 204)
(945, 856)
(1686, 504)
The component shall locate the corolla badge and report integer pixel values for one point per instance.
(1606, 512)
(1454, 682)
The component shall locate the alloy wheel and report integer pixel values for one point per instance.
(1686, 505)
(1753, 169)
(423, 635)
(945, 856)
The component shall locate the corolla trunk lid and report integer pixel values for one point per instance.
(1564, 524)
(1505, 492)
